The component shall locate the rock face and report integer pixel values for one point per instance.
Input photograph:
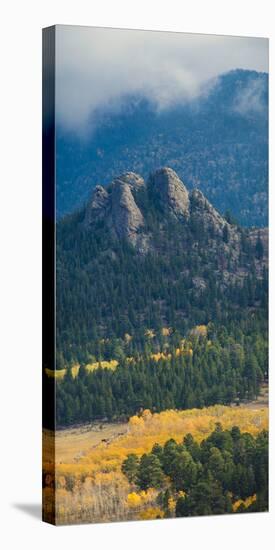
(206, 213)
(126, 219)
(98, 206)
(262, 234)
(119, 206)
(170, 192)
(135, 182)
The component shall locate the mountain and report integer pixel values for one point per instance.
(117, 206)
(143, 255)
(217, 143)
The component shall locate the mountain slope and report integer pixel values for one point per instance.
(217, 143)
(146, 255)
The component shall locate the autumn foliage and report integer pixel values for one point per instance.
(90, 486)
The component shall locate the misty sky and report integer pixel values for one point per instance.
(96, 67)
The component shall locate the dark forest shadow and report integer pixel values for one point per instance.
(34, 510)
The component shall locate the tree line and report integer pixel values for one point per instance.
(226, 472)
(223, 366)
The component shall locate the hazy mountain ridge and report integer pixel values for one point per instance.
(217, 143)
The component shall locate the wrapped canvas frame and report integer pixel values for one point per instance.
(121, 208)
(48, 251)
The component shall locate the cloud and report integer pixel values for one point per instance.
(251, 98)
(96, 67)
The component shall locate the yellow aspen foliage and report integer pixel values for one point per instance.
(160, 355)
(149, 495)
(166, 356)
(134, 500)
(57, 374)
(150, 333)
(93, 468)
(246, 502)
(135, 420)
(112, 365)
(104, 478)
(75, 371)
(171, 505)
(199, 330)
(180, 351)
(146, 415)
(151, 513)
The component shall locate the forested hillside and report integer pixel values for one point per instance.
(144, 257)
(210, 367)
(160, 294)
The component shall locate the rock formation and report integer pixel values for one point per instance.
(98, 206)
(125, 220)
(119, 206)
(171, 193)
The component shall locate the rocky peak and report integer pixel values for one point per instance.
(98, 205)
(170, 192)
(126, 220)
(119, 207)
(126, 216)
(132, 179)
(205, 212)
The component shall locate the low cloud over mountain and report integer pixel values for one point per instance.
(97, 67)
